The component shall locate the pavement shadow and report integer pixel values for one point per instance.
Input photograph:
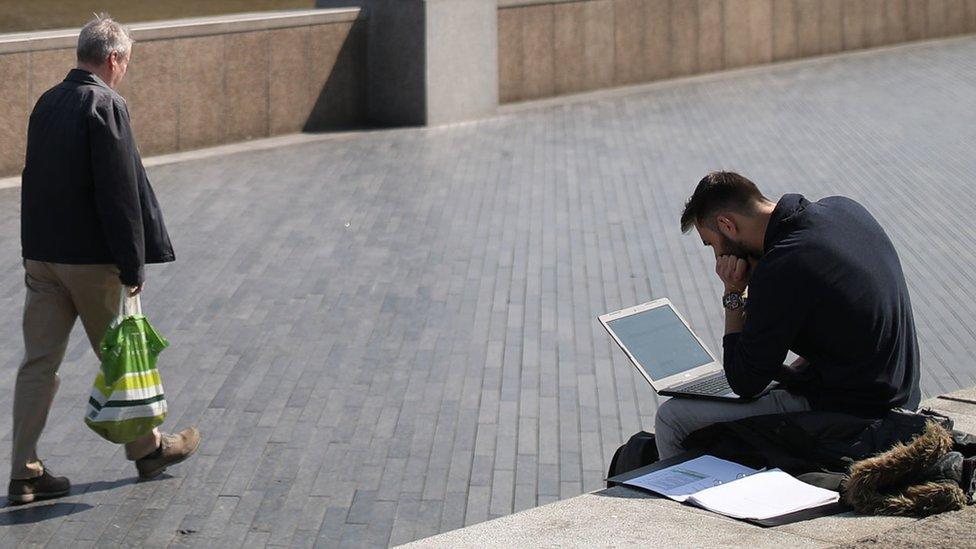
(101, 485)
(341, 103)
(11, 515)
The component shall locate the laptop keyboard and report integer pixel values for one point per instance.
(715, 385)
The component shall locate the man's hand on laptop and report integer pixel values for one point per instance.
(799, 364)
(795, 374)
(734, 272)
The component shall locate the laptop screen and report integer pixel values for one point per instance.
(660, 342)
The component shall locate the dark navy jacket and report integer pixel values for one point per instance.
(86, 198)
(830, 288)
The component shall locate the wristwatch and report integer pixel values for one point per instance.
(733, 301)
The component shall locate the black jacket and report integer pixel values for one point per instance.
(818, 447)
(86, 198)
(830, 288)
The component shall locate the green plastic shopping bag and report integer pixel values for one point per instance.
(127, 400)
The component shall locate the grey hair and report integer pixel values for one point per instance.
(100, 38)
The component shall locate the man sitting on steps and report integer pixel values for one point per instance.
(825, 282)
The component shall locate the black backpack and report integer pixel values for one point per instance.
(639, 451)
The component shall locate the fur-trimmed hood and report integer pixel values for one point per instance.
(921, 478)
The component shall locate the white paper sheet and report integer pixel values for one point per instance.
(763, 495)
(680, 481)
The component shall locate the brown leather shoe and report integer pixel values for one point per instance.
(172, 450)
(46, 486)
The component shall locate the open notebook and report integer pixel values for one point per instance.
(734, 490)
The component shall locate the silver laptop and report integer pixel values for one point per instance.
(665, 350)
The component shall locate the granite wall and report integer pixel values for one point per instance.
(554, 47)
(201, 82)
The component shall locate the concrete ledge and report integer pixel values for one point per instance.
(519, 3)
(965, 395)
(605, 94)
(184, 28)
(556, 47)
(200, 82)
(622, 517)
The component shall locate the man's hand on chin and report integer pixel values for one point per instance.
(733, 271)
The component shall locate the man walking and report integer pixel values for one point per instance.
(90, 222)
(825, 282)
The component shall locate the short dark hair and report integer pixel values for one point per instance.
(717, 192)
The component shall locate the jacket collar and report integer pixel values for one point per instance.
(780, 220)
(82, 76)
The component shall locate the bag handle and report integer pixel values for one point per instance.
(129, 306)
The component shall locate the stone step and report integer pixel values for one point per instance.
(622, 517)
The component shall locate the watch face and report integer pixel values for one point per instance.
(732, 300)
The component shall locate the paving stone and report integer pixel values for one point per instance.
(390, 334)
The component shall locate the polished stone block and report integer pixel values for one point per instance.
(853, 24)
(187, 90)
(832, 26)
(936, 13)
(246, 88)
(711, 47)
(748, 32)
(202, 98)
(569, 47)
(288, 95)
(874, 23)
(510, 54)
(337, 78)
(14, 111)
(684, 37)
(808, 27)
(760, 31)
(784, 30)
(736, 17)
(461, 44)
(970, 15)
(325, 46)
(955, 17)
(598, 37)
(628, 41)
(917, 14)
(48, 68)
(152, 91)
(397, 71)
(538, 65)
(657, 39)
(896, 20)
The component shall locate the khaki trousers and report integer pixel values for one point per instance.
(57, 294)
(679, 417)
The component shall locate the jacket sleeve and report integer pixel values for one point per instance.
(113, 160)
(777, 307)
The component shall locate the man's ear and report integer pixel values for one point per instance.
(115, 59)
(726, 225)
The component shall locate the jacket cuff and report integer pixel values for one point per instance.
(729, 341)
(132, 276)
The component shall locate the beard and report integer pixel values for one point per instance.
(740, 250)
